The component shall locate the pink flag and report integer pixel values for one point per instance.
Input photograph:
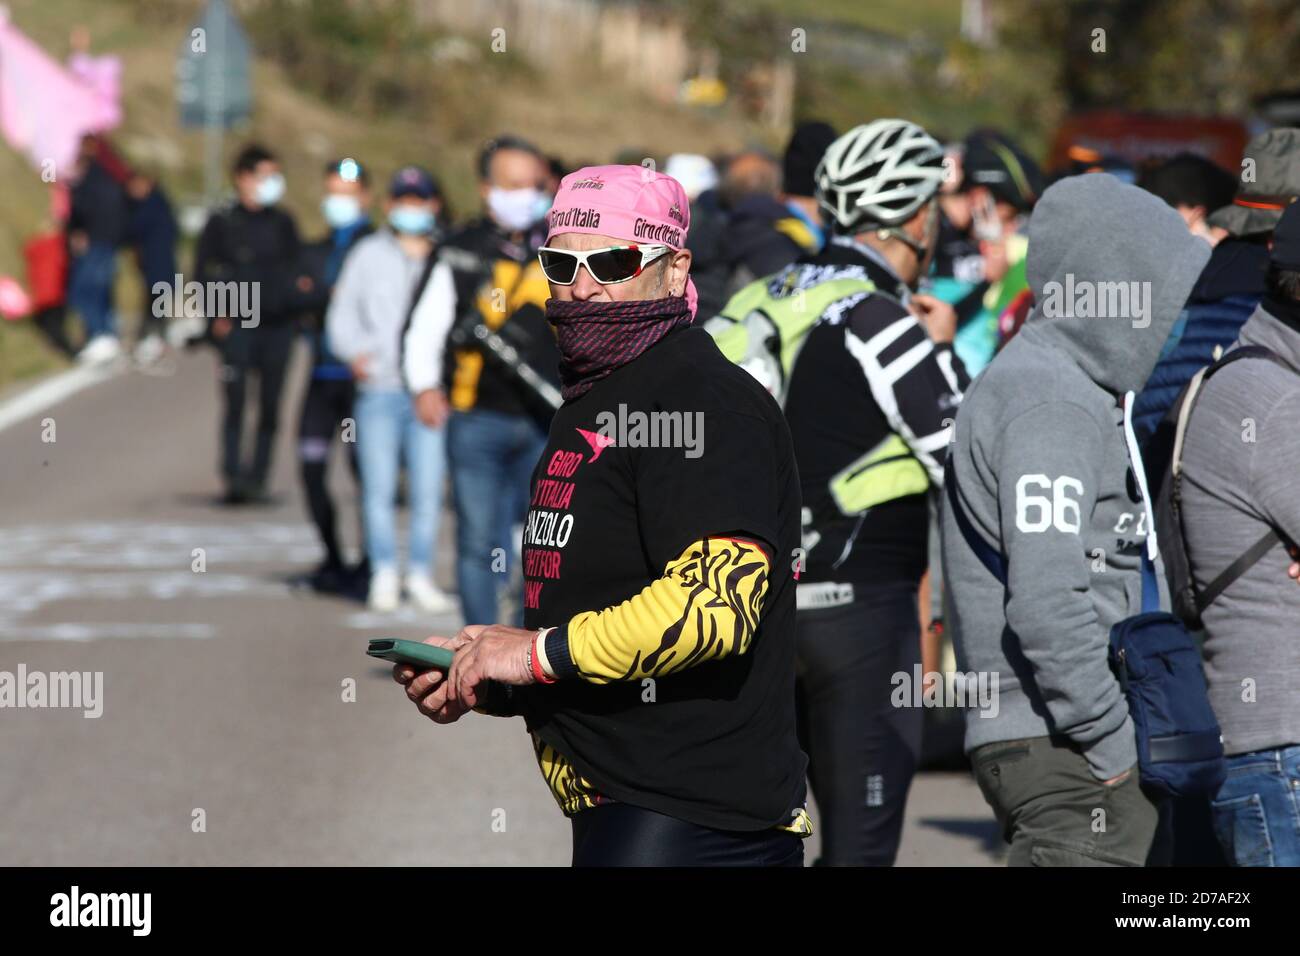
(45, 109)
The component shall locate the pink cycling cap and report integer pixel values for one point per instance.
(632, 203)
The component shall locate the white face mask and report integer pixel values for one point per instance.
(270, 189)
(340, 211)
(516, 209)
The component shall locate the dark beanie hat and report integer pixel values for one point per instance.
(807, 145)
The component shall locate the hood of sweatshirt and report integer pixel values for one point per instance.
(1276, 327)
(1111, 267)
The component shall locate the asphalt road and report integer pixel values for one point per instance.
(241, 722)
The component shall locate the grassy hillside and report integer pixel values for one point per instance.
(307, 130)
(472, 95)
(939, 20)
(480, 99)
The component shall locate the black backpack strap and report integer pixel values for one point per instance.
(418, 289)
(425, 272)
(1235, 570)
(1256, 551)
(1245, 352)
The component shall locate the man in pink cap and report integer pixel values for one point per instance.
(656, 669)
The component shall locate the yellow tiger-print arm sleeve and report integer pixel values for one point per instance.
(706, 606)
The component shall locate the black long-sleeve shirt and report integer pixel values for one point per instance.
(485, 265)
(244, 245)
(871, 404)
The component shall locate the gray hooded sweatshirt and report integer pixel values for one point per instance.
(1241, 476)
(1043, 469)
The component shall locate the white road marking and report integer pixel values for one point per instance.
(128, 563)
(92, 632)
(129, 544)
(407, 616)
(51, 391)
(152, 562)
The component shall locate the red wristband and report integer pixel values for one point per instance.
(534, 659)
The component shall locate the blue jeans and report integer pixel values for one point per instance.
(492, 459)
(387, 432)
(90, 288)
(1257, 810)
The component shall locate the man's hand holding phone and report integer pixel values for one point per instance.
(492, 652)
(483, 652)
(429, 690)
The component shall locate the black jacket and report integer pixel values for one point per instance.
(1223, 298)
(731, 249)
(242, 245)
(490, 269)
(754, 242)
(153, 232)
(99, 207)
(856, 388)
(320, 261)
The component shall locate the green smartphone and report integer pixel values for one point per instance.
(415, 653)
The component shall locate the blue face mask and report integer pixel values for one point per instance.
(270, 189)
(340, 211)
(411, 220)
(542, 205)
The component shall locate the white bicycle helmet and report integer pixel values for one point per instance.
(879, 174)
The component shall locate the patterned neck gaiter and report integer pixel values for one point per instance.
(597, 337)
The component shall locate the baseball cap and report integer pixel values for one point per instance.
(413, 181)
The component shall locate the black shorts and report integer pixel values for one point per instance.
(619, 834)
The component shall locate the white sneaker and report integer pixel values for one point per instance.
(385, 590)
(100, 350)
(149, 349)
(427, 595)
(183, 329)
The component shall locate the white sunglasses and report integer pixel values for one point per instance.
(608, 266)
